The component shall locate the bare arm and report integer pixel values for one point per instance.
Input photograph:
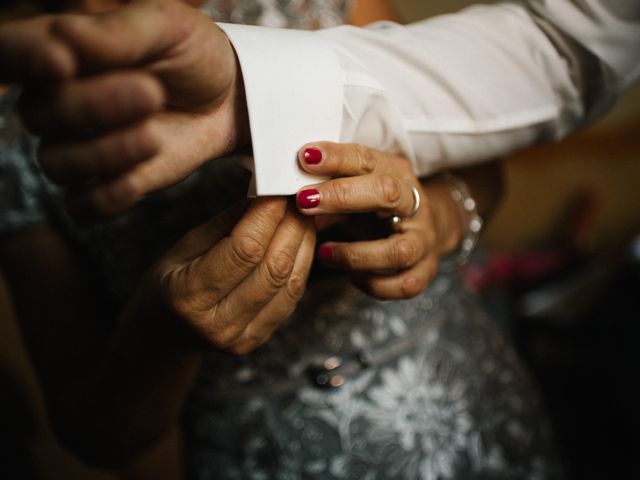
(486, 184)
(99, 393)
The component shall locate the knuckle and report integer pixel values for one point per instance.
(247, 250)
(296, 287)
(340, 193)
(172, 283)
(404, 253)
(390, 189)
(411, 286)
(352, 257)
(223, 338)
(335, 160)
(278, 268)
(366, 159)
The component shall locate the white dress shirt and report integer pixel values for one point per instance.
(444, 92)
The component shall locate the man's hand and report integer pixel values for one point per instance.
(235, 286)
(127, 102)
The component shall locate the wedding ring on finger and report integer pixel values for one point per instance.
(396, 219)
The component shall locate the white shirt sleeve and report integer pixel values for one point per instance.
(473, 85)
(294, 88)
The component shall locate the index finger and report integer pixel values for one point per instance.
(244, 302)
(229, 262)
(346, 160)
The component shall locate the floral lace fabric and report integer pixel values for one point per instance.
(303, 14)
(456, 404)
(448, 400)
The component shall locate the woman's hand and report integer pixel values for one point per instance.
(369, 181)
(235, 286)
(127, 102)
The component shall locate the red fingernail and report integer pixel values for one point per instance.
(309, 198)
(325, 254)
(312, 155)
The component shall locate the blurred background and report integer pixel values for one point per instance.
(559, 267)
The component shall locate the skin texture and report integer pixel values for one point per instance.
(365, 180)
(98, 381)
(114, 97)
(369, 181)
(236, 294)
(146, 78)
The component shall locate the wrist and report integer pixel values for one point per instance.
(147, 324)
(470, 221)
(446, 217)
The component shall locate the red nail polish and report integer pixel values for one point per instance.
(312, 155)
(309, 198)
(325, 254)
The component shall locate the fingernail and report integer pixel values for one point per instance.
(309, 198)
(312, 155)
(325, 254)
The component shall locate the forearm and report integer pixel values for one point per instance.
(108, 394)
(486, 185)
(134, 396)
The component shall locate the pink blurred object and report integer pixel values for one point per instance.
(519, 268)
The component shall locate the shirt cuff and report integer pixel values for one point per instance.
(294, 90)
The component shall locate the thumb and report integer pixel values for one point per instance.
(201, 239)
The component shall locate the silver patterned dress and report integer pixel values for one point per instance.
(351, 387)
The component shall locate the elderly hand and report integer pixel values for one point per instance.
(126, 102)
(368, 181)
(235, 287)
